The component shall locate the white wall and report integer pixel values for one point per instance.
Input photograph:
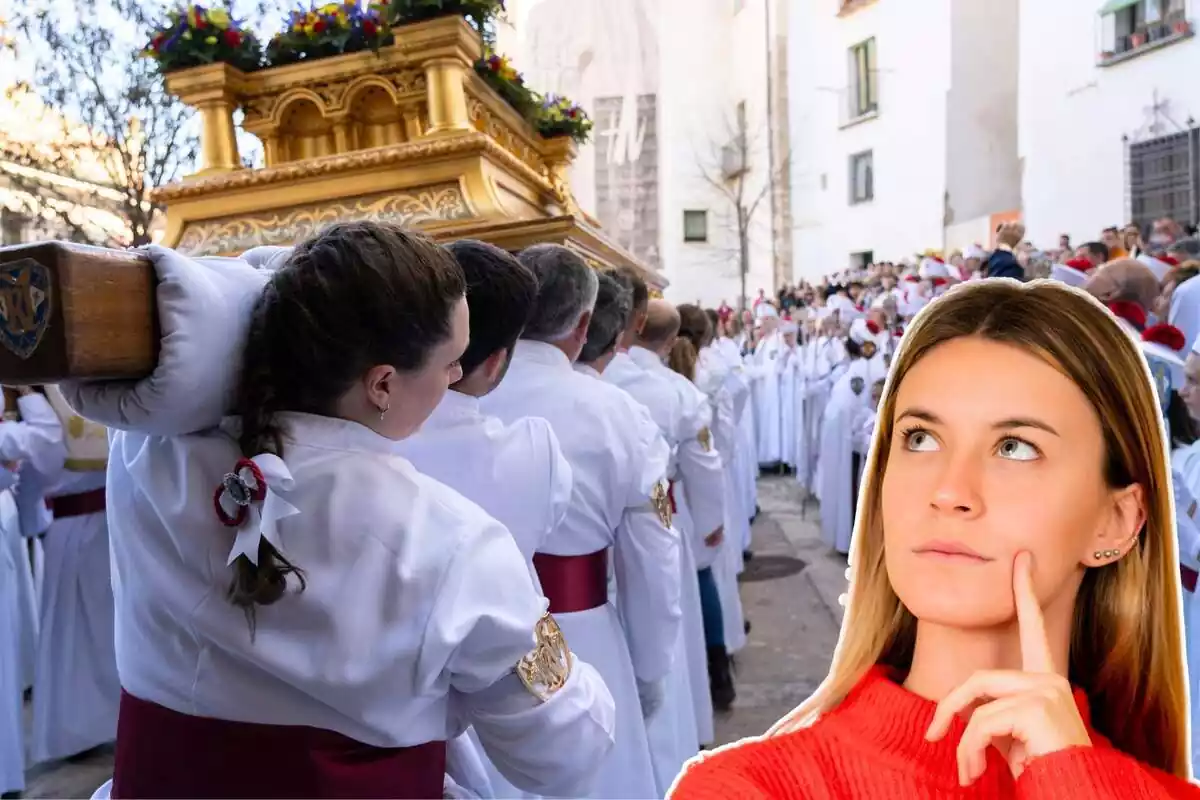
(908, 137)
(983, 172)
(696, 117)
(708, 59)
(1073, 114)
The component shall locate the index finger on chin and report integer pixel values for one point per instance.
(1035, 646)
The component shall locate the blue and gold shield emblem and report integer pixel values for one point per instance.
(24, 305)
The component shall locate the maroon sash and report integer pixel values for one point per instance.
(573, 583)
(164, 754)
(77, 505)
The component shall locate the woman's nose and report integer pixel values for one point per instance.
(957, 490)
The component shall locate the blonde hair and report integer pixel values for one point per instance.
(1126, 649)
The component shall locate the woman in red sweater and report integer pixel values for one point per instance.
(1013, 623)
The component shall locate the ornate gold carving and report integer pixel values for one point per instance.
(378, 158)
(705, 439)
(290, 225)
(660, 498)
(546, 668)
(488, 123)
(263, 102)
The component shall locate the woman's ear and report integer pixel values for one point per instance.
(1118, 532)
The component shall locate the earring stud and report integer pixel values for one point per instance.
(383, 411)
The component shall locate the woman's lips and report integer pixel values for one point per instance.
(950, 551)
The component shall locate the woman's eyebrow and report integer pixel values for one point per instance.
(1004, 424)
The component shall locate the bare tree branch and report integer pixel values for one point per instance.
(730, 168)
(108, 131)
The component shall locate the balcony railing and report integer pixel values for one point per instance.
(1150, 36)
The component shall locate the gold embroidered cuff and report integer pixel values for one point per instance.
(545, 669)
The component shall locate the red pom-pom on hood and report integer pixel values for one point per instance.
(1166, 335)
(1130, 312)
(873, 326)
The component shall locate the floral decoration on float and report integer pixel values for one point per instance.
(195, 35)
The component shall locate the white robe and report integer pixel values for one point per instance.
(518, 475)
(1186, 469)
(76, 689)
(417, 607)
(680, 411)
(840, 431)
(12, 717)
(617, 456)
(766, 399)
(788, 364)
(746, 457)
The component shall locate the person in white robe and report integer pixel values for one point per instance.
(35, 437)
(790, 410)
(12, 716)
(686, 358)
(747, 470)
(829, 363)
(841, 463)
(673, 733)
(730, 396)
(76, 689)
(25, 545)
(619, 504)
(765, 375)
(300, 611)
(723, 356)
(516, 473)
(696, 489)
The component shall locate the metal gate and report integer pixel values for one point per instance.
(1163, 178)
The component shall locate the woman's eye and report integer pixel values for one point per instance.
(1018, 450)
(919, 441)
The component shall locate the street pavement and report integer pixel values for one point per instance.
(794, 613)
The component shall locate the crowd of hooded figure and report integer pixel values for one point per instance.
(818, 368)
(413, 554)
(328, 535)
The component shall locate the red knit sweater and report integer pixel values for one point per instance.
(873, 746)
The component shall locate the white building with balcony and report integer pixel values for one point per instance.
(678, 90)
(1108, 110)
(903, 122)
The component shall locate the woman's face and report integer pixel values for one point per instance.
(418, 393)
(993, 452)
(1190, 392)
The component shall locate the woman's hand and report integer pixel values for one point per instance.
(1033, 711)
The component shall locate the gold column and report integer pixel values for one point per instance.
(211, 90)
(271, 149)
(446, 96)
(218, 141)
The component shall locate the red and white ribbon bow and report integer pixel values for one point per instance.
(247, 500)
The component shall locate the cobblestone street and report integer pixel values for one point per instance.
(793, 610)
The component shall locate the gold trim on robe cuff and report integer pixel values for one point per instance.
(545, 669)
(660, 500)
